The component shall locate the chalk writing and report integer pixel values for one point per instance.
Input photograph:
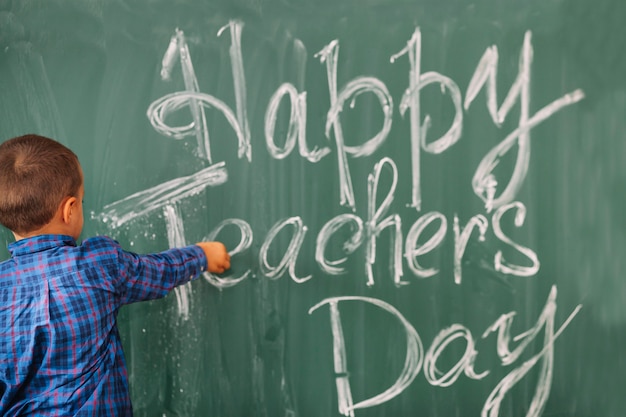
(165, 197)
(357, 86)
(425, 235)
(411, 100)
(416, 359)
(484, 182)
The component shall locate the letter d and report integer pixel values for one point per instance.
(412, 363)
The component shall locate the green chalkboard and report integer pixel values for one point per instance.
(424, 200)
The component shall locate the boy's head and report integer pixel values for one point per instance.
(38, 176)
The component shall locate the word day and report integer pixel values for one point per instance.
(485, 184)
(417, 359)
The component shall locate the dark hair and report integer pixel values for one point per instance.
(36, 174)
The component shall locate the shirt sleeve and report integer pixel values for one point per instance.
(148, 277)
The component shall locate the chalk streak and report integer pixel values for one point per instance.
(176, 239)
(136, 205)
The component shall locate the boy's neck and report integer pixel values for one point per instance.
(49, 229)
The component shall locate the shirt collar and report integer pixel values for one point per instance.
(40, 243)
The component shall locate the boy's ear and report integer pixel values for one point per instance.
(67, 207)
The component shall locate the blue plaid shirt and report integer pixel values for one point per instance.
(60, 351)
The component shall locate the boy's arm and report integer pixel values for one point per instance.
(147, 277)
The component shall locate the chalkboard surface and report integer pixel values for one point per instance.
(424, 200)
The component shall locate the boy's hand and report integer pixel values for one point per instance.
(218, 259)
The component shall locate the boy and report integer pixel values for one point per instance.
(60, 351)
